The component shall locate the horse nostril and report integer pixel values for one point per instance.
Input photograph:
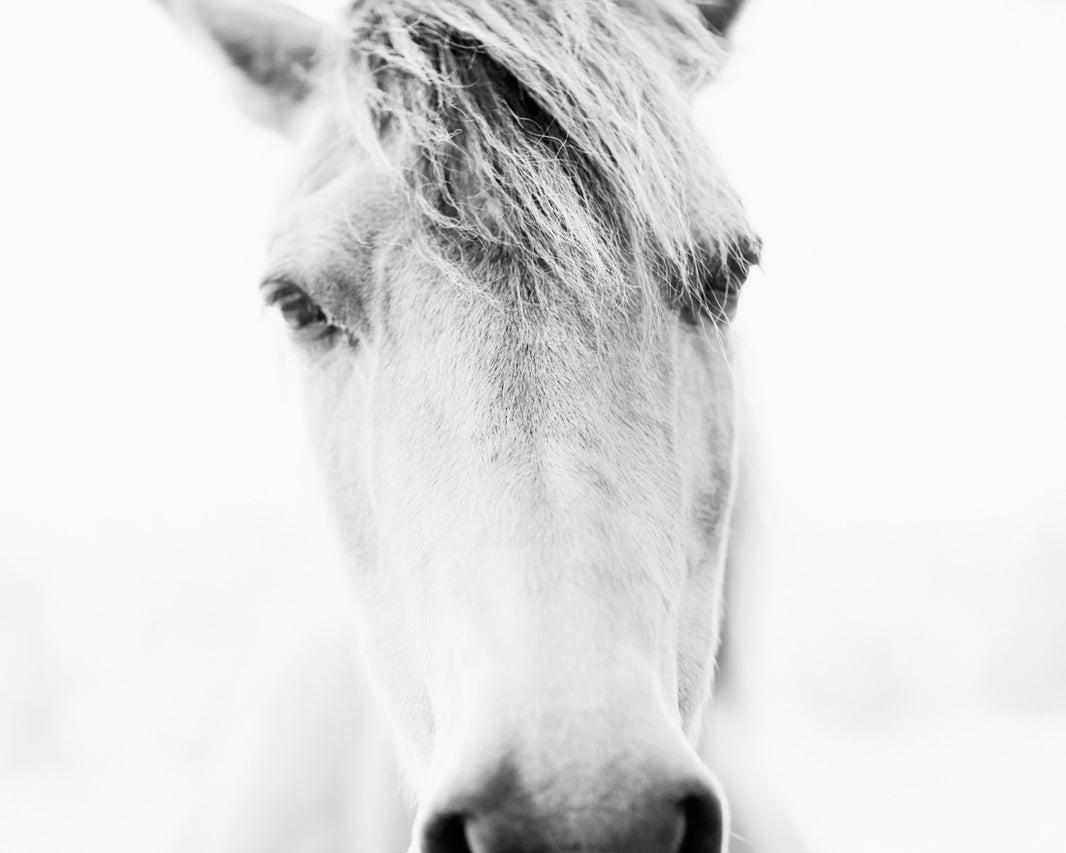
(446, 834)
(704, 824)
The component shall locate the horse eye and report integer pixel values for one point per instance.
(720, 276)
(307, 322)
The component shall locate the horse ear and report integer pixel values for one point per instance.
(271, 48)
(719, 15)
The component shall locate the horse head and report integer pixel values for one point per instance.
(509, 264)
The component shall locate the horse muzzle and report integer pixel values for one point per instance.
(625, 806)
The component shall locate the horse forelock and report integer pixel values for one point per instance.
(547, 147)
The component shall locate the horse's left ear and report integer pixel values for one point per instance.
(719, 15)
(272, 48)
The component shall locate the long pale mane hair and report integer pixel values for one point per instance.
(547, 147)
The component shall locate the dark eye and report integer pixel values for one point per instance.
(301, 313)
(716, 287)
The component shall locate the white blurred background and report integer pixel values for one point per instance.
(174, 618)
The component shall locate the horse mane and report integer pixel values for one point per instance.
(547, 145)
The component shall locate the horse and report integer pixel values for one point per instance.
(509, 263)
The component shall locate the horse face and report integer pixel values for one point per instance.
(535, 504)
(536, 513)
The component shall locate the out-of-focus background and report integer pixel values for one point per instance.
(174, 616)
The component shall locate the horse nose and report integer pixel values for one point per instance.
(683, 816)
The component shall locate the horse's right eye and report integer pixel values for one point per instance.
(305, 319)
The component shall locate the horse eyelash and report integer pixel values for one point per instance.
(284, 294)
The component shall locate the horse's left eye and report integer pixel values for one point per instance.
(301, 313)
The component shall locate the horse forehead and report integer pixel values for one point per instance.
(345, 208)
(526, 376)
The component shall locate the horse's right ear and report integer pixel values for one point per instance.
(272, 49)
